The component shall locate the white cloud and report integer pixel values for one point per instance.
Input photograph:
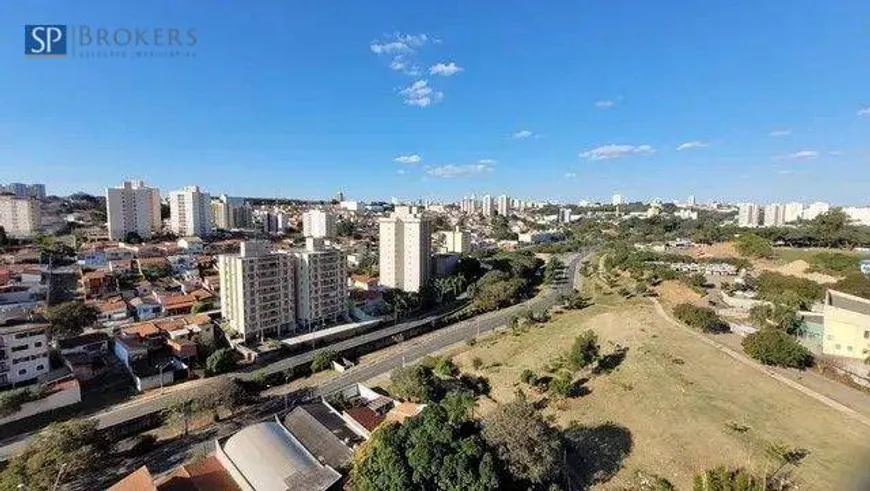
(445, 70)
(421, 94)
(610, 152)
(570, 175)
(606, 104)
(776, 133)
(398, 43)
(522, 135)
(802, 155)
(487, 161)
(408, 159)
(864, 111)
(692, 144)
(388, 48)
(413, 40)
(451, 171)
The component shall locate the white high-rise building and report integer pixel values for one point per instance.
(815, 209)
(793, 212)
(133, 207)
(19, 217)
(455, 241)
(503, 204)
(617, 200)
(774, 215)
(190, 212)
(318, 224)
(565, 215)
(36, 191)
(691, 200)
(321, 285)
(230, 213)
(18, 189)
(748, 215)
(858, 215)
(405, 243)
(486, 205)
(257, 291)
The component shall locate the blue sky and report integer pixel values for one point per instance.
(561, 100)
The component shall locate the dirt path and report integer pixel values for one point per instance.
(776, 376)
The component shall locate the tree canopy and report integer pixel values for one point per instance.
(702, 318)
(775, 347)
(221, 361)
(752, 245)
(69, 319)
(585, 350)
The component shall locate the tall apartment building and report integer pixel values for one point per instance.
(455, 241)
(321, 285)
(774, 215)
(230, 213)
(18, 189)
(690, 201)
(19, 217)
(190, 212)
(132, 207)
(792, 212)
(23, 352)
(468, 205)
(503, 205)
(487, 206)
(22, 190)
(565, 215)
(318, 224)
(405, 246)
(617, 200)
(257, 291)
(748, 215)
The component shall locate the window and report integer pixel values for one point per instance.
(40, 367)
(866, 334)
(22, 371)
(37, 344)
(20, 347)
(848, 348)
(837, 347)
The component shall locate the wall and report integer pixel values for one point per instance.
(65, 397)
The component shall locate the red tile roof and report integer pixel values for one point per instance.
(366, 417)
(205, 475)
(138, 480)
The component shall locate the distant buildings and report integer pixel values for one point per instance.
(231, 213)
(793, 212)
(859, 216)
(20, 190)
(132, 207)
(815, 209)
(19, 216)
(565, 215)
(455, 241)
(486, 206)
(318, 224)
(190, 212)
(404, 249)
(321, 285)
(257, 291)
(748, 215)
(617, 200)
(690, 201)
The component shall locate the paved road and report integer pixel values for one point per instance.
(415, 349)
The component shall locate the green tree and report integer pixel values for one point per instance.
(132, 237)
(528, 377)
(322, 360)
(458, 404)
(702, 318)
(345, 228)
(775, 347)
(415, 383)
(585, 350)
(444, 367)
(530, 448)
(553, 269)
(221, 361)
(562, 385)
(12, 399)
(57, 454)
(69, 319)
(752, 245)
(200, 307)
(797, 293)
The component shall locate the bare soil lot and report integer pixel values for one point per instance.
(679, 399)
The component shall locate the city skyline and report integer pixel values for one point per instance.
(422, 102)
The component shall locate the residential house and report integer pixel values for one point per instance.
(97, 284)
(146, 308)
(113, 310)
(191, 245)
(93, 344)
(23, 351)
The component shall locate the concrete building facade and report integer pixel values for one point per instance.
(455, 241)
(257, 291)
(846, 325)
(321, 285)
(23, 352)
(748, 215)
(133, 207)
(405, 247)
(190, 212)
(318, 224)
(19, 217)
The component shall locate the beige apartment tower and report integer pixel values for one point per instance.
(19, 217)
(133, 207)
(405, 243)
(190, 212)
(321, 285)
(257, 291)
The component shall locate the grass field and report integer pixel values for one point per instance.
(684, 405)
(789, 254)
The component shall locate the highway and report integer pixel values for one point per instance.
(413, 349)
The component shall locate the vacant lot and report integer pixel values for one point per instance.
(685, 405)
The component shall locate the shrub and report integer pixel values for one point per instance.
(702, 318)
(528, 377)
(221, 361)
(415, 383)
(584, 351)
(476, 363)
(12, 399)
(722, 479)
(322, 360)
(751, 245)
(775, 347)
(833, 262)
(796, 292)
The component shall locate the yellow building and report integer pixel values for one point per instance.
(847, 325)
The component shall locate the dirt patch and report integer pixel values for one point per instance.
(674, 292)
(799, 268)
(721, 249)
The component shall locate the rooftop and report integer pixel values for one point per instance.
(138, 480)
(205, 475)
(82, 340)
(323, 433)
(848, 302)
